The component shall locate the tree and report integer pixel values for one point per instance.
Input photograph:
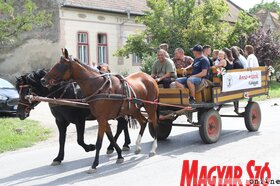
(271, 7)
(135, 44)
(266, 46)
(205, 25)
(18, 17)
(182, 23)
(147, 63)
(244, 26)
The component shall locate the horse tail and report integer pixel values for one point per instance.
(132, 123)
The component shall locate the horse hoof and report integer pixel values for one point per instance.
(55, 163)
(125, 149)
(91, 148)
(110, 151)
(151, 154)
(91, 171)
(120, 160)
(137, 151)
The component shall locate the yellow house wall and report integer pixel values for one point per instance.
(116, 26)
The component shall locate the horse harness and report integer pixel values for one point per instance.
(128, 92)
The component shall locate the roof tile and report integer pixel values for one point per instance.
(136, 6)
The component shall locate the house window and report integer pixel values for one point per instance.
(83, 47)
(102, 48)
(136, 61)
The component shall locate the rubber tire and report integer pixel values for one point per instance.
(163, 129)
(248, 116)
(203, 129)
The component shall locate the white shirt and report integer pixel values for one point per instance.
(252, 61)
(243, 60)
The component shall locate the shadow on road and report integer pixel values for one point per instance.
(174, 145)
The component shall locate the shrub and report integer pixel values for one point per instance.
(147, 63)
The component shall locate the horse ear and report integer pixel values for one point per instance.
(66, 55)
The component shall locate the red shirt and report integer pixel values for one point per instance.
(179, 63)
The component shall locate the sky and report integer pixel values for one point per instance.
(247, 4)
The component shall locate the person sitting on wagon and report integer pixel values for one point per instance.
(165, 46)
(163, 70)
(104, 68)
(207, 52)
(237, 64)
(181, 61)
(241, 57)
(252, 59)
(223, 61)
(200, 68)
(214, 56)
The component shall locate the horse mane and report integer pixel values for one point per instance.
(20, 81)
(86, 66)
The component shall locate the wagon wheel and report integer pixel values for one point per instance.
(210, 126)
(163, 129)
(252, 116)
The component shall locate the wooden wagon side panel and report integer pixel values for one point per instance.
(174, 96)
(204, 96)
(221, 97)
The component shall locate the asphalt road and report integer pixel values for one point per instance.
(31, 166)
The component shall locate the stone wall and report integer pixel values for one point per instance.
(38, 48)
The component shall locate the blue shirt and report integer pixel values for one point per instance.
(200, 64)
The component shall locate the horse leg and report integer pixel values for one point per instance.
(115, 145)
(110, 148)
(126, 136)
(143, 122)
(101, 129)
(152, 110)
(80, 128)
(62, 128)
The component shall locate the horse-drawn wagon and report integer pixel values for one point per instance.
(232, 86)
(126, 96)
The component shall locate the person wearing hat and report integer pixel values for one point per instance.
(200, 68)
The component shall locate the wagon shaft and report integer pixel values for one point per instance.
(32, 98)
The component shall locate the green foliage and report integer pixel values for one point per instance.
(274, 92)
(147, 63)
(166, 22)
(15, 20)
(135, 44)
(182, 23)
(15, 133)
(205, 24)
(272, 7)
(245, 25)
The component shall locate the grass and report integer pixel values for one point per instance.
(15, 133)
(274, 92)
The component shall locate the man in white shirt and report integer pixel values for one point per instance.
(252, 59)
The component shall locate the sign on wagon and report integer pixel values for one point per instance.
(241, 80)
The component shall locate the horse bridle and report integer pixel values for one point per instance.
(30, 106)
(26, 103)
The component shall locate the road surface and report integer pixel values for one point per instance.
(237, 146)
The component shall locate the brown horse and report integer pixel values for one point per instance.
(104, 109)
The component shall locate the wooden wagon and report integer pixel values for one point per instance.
(233, 86)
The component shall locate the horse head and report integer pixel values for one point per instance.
(61, 71)
(27, 84)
